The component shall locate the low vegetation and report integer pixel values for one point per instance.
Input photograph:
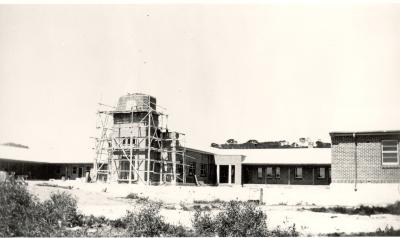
(237, 219)
(388, 231)
(22, 214)
(361, 210)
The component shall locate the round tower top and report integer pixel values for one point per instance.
(136, 102)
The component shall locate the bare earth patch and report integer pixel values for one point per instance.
(110, 201)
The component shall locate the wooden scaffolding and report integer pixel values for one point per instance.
(140, 150)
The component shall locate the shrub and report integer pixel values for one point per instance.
(286, 230)
(21, 214)
(146, 222)
(203, 222)
(62, 207)
(92, 221)
(132, 196)
(235, 219)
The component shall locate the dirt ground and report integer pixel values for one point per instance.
(283, 204)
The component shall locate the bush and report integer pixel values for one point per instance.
(132, 196)
(62, 209)
(284, 231)
(146, 222)
(21, 214)
(235, 219)
(203, 222)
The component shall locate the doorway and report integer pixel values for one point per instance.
(223, 173)
(80, 172)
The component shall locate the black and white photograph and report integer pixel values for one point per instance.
(199, 119)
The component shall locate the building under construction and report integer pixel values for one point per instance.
(135, 145)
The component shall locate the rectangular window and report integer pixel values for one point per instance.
(390, 155)
(192, 168)
(74, 170)
(203, 170)
(299, 172)
(321, 173)
(277, 172)
(269, 172)
(259, 173)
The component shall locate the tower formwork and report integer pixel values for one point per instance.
(135, 145)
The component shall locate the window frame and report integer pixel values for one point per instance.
(259, 173)
(383, 152)
(192, 169)
(203, 170)
(319, 173)
(269, 175)
(296, 175)
(278, 175)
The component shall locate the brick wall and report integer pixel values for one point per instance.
(199, 158)
(369, 160)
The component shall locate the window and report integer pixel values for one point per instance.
(269, 172)
(299, 172)
(74, 170)
(277, 172)
(390, 154)
(88, 169)
(203, 170)
(192, 168)
(259, 173)
(321, 173)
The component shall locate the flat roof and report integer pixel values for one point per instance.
(283, 156)
(293, 156)
(372, 132)
(44, 155)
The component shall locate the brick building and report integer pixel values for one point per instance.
(365, 157)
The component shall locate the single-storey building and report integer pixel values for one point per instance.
(365, 157)
(38, 165)
(303, 166)
(306, 166)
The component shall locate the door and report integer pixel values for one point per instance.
(80, 172)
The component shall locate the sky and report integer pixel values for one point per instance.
(264, 72)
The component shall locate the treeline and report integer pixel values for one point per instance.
(254, 144)
(16, 145)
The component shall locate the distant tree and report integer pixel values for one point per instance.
(302, 140)
(215, 145)
(252, 142)
(231, 141)
(319, 144)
